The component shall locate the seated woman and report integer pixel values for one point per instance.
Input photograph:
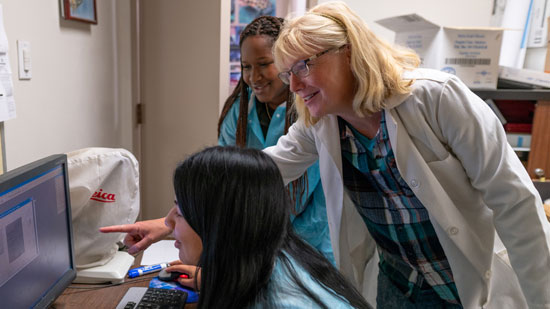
(232, 220)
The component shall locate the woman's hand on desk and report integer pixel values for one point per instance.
(141, 234)
(193, 272)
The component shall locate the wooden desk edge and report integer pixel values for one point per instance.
(102, 296)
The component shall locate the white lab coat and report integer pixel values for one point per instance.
(452, 151)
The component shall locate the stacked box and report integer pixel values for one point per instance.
(470, 53)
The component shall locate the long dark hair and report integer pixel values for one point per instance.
(269, 26)
(233, 198)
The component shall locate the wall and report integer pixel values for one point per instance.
(183, 46)
(465, 13)
(85, 83)
(80, 92)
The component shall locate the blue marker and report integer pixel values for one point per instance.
(136, 272)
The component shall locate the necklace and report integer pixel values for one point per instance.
(267, 111)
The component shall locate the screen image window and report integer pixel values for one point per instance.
(19, 239)
(35, 250)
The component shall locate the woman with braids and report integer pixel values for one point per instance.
(242, 238)
(259, 111)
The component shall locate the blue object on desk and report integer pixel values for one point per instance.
(136, 272)
(192, 296)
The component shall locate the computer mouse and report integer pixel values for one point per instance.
(170, 276)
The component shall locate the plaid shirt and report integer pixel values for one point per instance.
(410, 252)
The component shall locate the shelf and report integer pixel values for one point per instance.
(514, 94)
(537, 154)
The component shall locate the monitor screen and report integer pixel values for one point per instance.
(36, 251)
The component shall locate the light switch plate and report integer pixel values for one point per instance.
(24, 58)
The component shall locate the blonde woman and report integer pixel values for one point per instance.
(416, 172)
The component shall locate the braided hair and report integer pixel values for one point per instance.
(269, 26)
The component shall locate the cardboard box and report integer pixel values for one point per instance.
(470, 53)
(529, 77)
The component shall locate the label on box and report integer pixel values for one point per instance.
(472, 55)
(423, 42)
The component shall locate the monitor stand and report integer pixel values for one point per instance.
(114, 271)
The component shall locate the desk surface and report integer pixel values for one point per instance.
(104, 297)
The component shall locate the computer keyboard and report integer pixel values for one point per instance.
(152, 298)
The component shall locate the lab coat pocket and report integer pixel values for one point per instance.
(451, 174)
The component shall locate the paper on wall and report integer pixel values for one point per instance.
(7, 102)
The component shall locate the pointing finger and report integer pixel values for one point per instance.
(125, 228)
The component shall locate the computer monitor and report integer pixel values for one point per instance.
(36, 251)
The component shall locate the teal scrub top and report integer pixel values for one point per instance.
(284, 293)
(311, 220)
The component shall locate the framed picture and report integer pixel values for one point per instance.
(80, 10)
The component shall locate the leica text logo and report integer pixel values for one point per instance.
(103, 197)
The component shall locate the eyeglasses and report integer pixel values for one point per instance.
(300, 68)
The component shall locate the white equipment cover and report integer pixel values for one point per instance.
(104, 185)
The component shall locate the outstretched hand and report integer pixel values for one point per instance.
(193, 272)
(141, 234)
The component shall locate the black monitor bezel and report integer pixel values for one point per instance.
(24, 173)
